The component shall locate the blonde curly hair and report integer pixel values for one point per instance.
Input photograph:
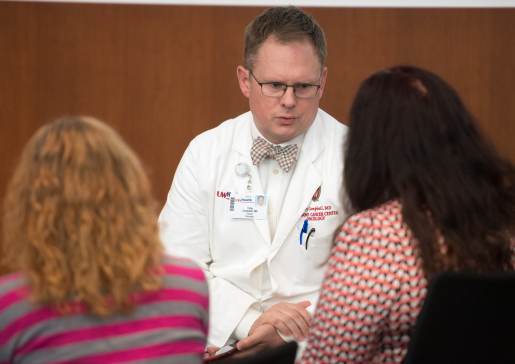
(80, 220)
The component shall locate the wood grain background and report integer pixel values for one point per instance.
(161, 74)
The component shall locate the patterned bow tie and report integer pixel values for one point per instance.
(285, 156)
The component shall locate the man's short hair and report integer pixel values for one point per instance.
(286, 25)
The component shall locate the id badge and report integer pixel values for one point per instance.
(248, 206)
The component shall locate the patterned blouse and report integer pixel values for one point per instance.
(372, 293)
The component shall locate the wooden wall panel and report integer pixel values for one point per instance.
(162, 74)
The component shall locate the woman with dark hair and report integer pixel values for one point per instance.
(429, 194)
(92, 286)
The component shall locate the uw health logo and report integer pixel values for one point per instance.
(316, 196)
(223, 194)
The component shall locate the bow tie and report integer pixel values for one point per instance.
(285, 156)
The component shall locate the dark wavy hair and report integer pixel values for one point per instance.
(411, 138)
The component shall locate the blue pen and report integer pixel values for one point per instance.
(304, 230)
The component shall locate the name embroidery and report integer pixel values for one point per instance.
(319, 213)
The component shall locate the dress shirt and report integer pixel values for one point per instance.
(275, 184)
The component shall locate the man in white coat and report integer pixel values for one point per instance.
(264, 274)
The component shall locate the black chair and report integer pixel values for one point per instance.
(284, 354)
(467, 318)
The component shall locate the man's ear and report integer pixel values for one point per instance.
(244, 80)
(323, 77)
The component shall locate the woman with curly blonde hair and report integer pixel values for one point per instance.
(80, 227)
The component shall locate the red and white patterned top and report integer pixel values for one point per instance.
(372, 293)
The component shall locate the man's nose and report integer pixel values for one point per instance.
(289, 98)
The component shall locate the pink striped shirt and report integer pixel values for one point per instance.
(168, 326)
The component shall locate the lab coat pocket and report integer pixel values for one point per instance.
(309, 264)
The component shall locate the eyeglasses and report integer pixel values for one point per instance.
(277, 89)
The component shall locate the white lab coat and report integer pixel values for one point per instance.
(194, 222)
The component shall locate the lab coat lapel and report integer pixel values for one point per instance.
(303, 185)
(242, 142)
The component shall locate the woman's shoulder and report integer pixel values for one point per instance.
(381, 227)
(182, 267)
(388, 214)
(13, 291)
(12, 282)
(186, 279)
(387, 208)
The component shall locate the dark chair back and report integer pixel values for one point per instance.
(466, 318)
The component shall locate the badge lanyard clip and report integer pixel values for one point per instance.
(242, 169)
